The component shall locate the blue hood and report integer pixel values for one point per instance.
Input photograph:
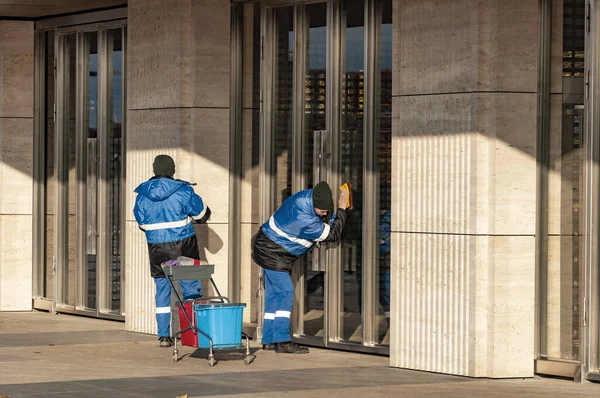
(159, 189)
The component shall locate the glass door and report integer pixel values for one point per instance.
(80, 93)
(315, 149)
(327, 116)
(562, 201)
(89, 171)
(352, 162)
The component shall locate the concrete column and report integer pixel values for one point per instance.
(464, 200)
(16, 165)
(178, 103)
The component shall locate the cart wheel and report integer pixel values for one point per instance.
(175, 357)
(211, 362)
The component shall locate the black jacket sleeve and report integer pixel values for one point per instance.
(205, 217)
(337, 227)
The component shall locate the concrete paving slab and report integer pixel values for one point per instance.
(43, 355)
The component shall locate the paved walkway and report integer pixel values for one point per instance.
(43, 355)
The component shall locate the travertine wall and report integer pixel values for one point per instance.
(16, 164)
(464, 200)
(178, 103)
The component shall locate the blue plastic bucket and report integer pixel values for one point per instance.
(222, 322)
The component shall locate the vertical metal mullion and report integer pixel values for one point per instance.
(298, 147)
(122, 296)
(81, 287)
(266, 137)
(298, 117)
(39, 159)
(103, 259)
(266, 161)
(370, 209)
(338, 67)
(586, 259)
(266, 109)
(235, 150)
(592, 205)
(543, 111)
(62, 175)
(333, 274)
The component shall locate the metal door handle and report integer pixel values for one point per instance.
(317, 155)
(320, 157)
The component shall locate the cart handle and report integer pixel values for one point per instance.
(221, 298)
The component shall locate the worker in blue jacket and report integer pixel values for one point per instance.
(295, 228)
(165, 209)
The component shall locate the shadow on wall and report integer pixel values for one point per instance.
(208, 242)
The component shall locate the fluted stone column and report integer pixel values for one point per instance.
(464, 181)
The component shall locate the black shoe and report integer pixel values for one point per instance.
(290, 348)
(165, 341)
(269, 347)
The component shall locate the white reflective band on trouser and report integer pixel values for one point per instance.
(325, 233)
(163, 310)
(199, 216)
(269, 315)
(165, 225)
(282, 314)
(279, 232)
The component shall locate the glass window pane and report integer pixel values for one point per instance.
(384, 135)
(314, 125)
(115, 163)
(50, 172)
(352, 166)
(283, 77)
(565, 187)
(70, 139)
(91, 166)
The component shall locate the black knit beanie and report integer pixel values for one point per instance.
(164, 166)
(322, 197)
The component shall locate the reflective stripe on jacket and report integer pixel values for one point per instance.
(295, 226)
(293, 231)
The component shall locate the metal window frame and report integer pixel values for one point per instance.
(333, 275)
(105, 82)
(103, 258)
(81, 163)
(544, 364)
(235, 150)
(543, 132)
(334, 282)
(122, 296)
(61, 193)
(373, 21)
(83, 18)
(332, 123)
(39, 156)
(332, 98)
(104, 264)
(298, 149)
(589, 364)
(265, 138)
